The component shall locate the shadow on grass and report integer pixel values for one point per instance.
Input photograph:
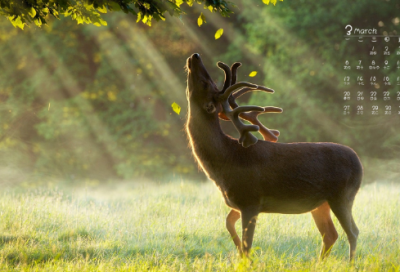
(10, 239)
(75, 234)
(5, 239)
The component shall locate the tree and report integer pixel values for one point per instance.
(304, 64)
(60, 88)
(21, 13)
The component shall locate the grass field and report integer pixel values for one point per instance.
(179, 226)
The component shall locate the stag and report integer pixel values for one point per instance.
(256, 176)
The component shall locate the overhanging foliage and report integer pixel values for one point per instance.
(21, 13)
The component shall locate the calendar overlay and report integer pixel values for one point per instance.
(371, 84)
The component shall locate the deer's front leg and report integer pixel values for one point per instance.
(249, 219)
(231, 219)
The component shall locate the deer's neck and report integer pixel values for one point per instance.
(208, 142)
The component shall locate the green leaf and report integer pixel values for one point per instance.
(88, 6)
(270, 1)
(82, 11)
(102, 9)
(201, 19)
(219, 33)
(38, 22)
(32, 12)
(68, 12)
(253, 74)
(104, 23)
(17, 22)
(54, 12)
(176, 108)
(179, 2)
(87, 20)
(147, 20)
(114, 6)
(79, 19)
(139, 17)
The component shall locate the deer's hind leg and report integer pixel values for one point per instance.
(231, 219)
(342, 210)
(323, 220)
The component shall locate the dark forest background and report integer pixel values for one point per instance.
(80, 102)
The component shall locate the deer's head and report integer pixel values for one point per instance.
(205, 98)
(201, 89)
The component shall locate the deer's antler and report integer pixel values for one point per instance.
(246, 139)
(234, 68)
(228, 76)
(227, 98)
(268, 134)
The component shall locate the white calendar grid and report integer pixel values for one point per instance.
(372, 95)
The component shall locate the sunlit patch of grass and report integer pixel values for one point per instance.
(179, 226)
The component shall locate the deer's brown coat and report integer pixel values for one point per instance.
(270, 177)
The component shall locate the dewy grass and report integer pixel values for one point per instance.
(180, 226)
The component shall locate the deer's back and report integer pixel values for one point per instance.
(287, 178)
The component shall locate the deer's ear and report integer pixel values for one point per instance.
(221, 114)
(209, 107)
